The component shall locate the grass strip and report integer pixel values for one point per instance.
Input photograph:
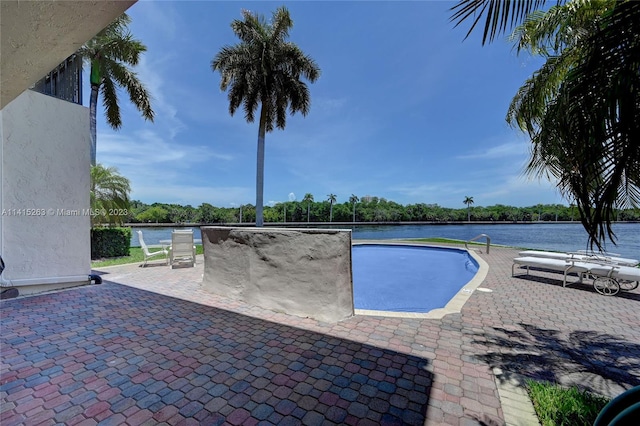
(441, 240)
(557, 406)
(135, 256)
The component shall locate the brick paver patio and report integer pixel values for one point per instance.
(150, 347)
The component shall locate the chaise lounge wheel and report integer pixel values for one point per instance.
(606, 286)
(628, 285)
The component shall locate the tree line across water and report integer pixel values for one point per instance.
(372, 209)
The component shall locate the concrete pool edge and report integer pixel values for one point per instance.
(454, 305)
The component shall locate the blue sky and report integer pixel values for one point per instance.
(404, 109)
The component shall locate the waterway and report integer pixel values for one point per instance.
(543, 236)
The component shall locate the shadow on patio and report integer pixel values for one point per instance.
(597, 362)
(113, 352)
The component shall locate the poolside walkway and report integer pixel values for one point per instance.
(150, 347)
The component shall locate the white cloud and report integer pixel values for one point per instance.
(147, 150)
(510, 149)
(422, 191)
(184, 194)
(166, 112)
(159, 18)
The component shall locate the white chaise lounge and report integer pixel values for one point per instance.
(591, 257)
(608, 279)
(564, 266)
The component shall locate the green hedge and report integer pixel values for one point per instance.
(110, 242)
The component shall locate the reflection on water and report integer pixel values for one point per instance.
(545, 236)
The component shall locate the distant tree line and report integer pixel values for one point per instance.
(369, 210)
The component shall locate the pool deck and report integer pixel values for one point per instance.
(148, 346)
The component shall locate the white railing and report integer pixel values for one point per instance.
(479, 236)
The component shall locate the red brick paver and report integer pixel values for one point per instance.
(150, 346)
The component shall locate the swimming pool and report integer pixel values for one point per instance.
(409, 278)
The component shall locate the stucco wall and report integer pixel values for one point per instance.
(45, 166)
(304, 272)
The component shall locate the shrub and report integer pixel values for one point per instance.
(110, 242)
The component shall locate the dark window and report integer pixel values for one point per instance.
(64, 82)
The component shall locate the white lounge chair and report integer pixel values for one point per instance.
(585, 257)
(182, 249)
(150, 254)
(564, 266)
(608, 279)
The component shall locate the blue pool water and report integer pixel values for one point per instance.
(407, 278)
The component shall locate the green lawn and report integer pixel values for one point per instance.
(441, 240)
(556, 405)
(135, 256)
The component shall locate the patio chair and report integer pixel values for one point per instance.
(182, 249)
(150, 254)
(565, 266)
(582, 256)
(608, 279)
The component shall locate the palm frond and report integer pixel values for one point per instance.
(281, 24)
(123, 49)
(548, 33)
(138, 94)
(500, 14)
(110, 101)
(531, 100)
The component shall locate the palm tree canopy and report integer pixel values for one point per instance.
(353, 199)
(110, 54)
(331, 198)
(582, 108)
(109, 194)
(468, 201)
(265, 69)
(308, 197)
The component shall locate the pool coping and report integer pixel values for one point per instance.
(454, 305)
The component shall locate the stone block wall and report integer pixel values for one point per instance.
(304, 272)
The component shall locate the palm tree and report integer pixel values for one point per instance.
(109, 54)
(582, 108)
(353, 200)
(308, 197)
(264, 69)
(468, 201)
(331, 199)
(579, 116)
(109, 195)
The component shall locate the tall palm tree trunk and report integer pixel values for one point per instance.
(354, 212)
(468, 213)
(260, 167)
(93, 103)
(308, 210)
(331, 212)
